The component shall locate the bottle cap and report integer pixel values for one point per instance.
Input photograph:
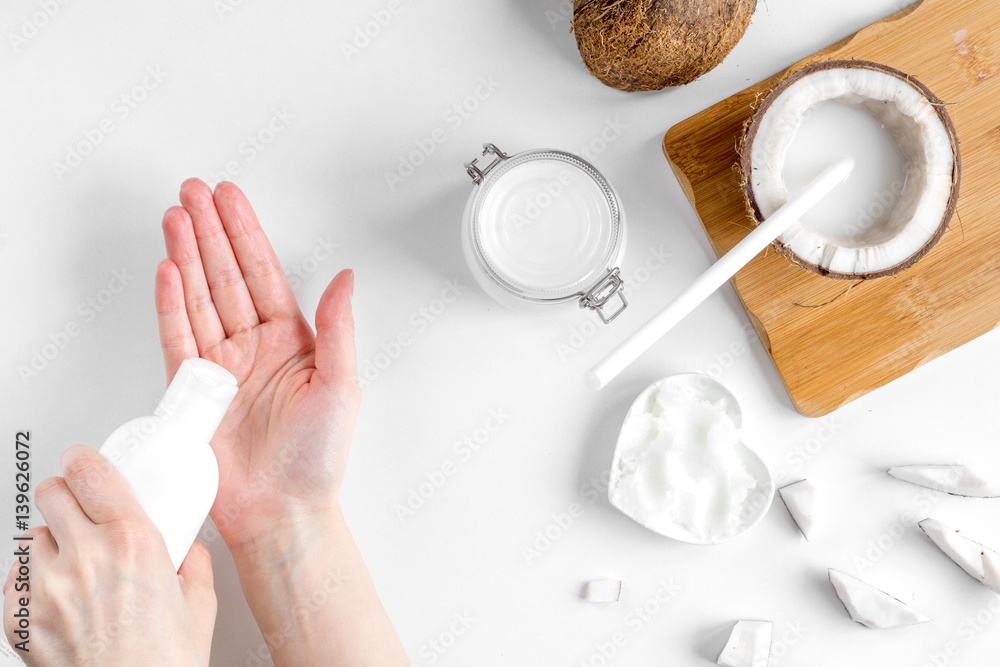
(198, 397)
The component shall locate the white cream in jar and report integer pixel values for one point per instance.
(544, 227)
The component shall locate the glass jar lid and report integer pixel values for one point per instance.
(547, 227)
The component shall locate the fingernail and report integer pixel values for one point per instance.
(350, 283)
(69, 455)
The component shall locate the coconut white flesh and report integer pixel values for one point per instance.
(954, 479)
(964, 551)
(604, 590)
(991, 569)
(922, 137)
(800, 501)
(872, 607)
(749, 645)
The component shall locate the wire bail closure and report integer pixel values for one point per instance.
(594, 297)
(478, 174)
(610, 286)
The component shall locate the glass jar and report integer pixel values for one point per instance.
(545, 227)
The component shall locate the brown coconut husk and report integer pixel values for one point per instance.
(746, 167)
(638, 45)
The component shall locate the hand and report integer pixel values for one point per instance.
(102, 588)
(282, 446)
(222, 295)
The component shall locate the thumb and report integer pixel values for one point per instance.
(198, 585)
(336, 355)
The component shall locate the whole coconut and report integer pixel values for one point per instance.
(650, 44)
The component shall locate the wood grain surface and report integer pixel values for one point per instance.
(833, 341)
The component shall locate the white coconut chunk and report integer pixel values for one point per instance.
(967, 553)
(603, 590)
(954, 479)
(991, 569)
(749, 645)
(872, 607)
(800, 501)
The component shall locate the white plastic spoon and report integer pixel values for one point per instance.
(717, 274)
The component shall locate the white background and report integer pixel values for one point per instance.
(322, 180)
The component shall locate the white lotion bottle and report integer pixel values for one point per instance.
(166, 457)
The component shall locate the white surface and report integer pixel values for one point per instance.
(719, 273)
(321, 182)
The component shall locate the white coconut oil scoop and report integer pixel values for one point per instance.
(717, 274)
(681, 468)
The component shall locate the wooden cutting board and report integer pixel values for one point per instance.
(832, 347)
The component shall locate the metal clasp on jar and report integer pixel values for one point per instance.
(609, 287)
(477, 174)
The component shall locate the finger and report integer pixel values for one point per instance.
(272, 295)
(198, 584)
(62, 513)
(225, 279)
(176, 337)
(336, 355)
(182, 249)
(102, 492)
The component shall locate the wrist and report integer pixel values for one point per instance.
(306, 583)
(285, 539)
(295, 574)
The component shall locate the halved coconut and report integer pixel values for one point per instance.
(872, 607)
(925, 136)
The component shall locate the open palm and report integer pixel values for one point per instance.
(223, 296)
